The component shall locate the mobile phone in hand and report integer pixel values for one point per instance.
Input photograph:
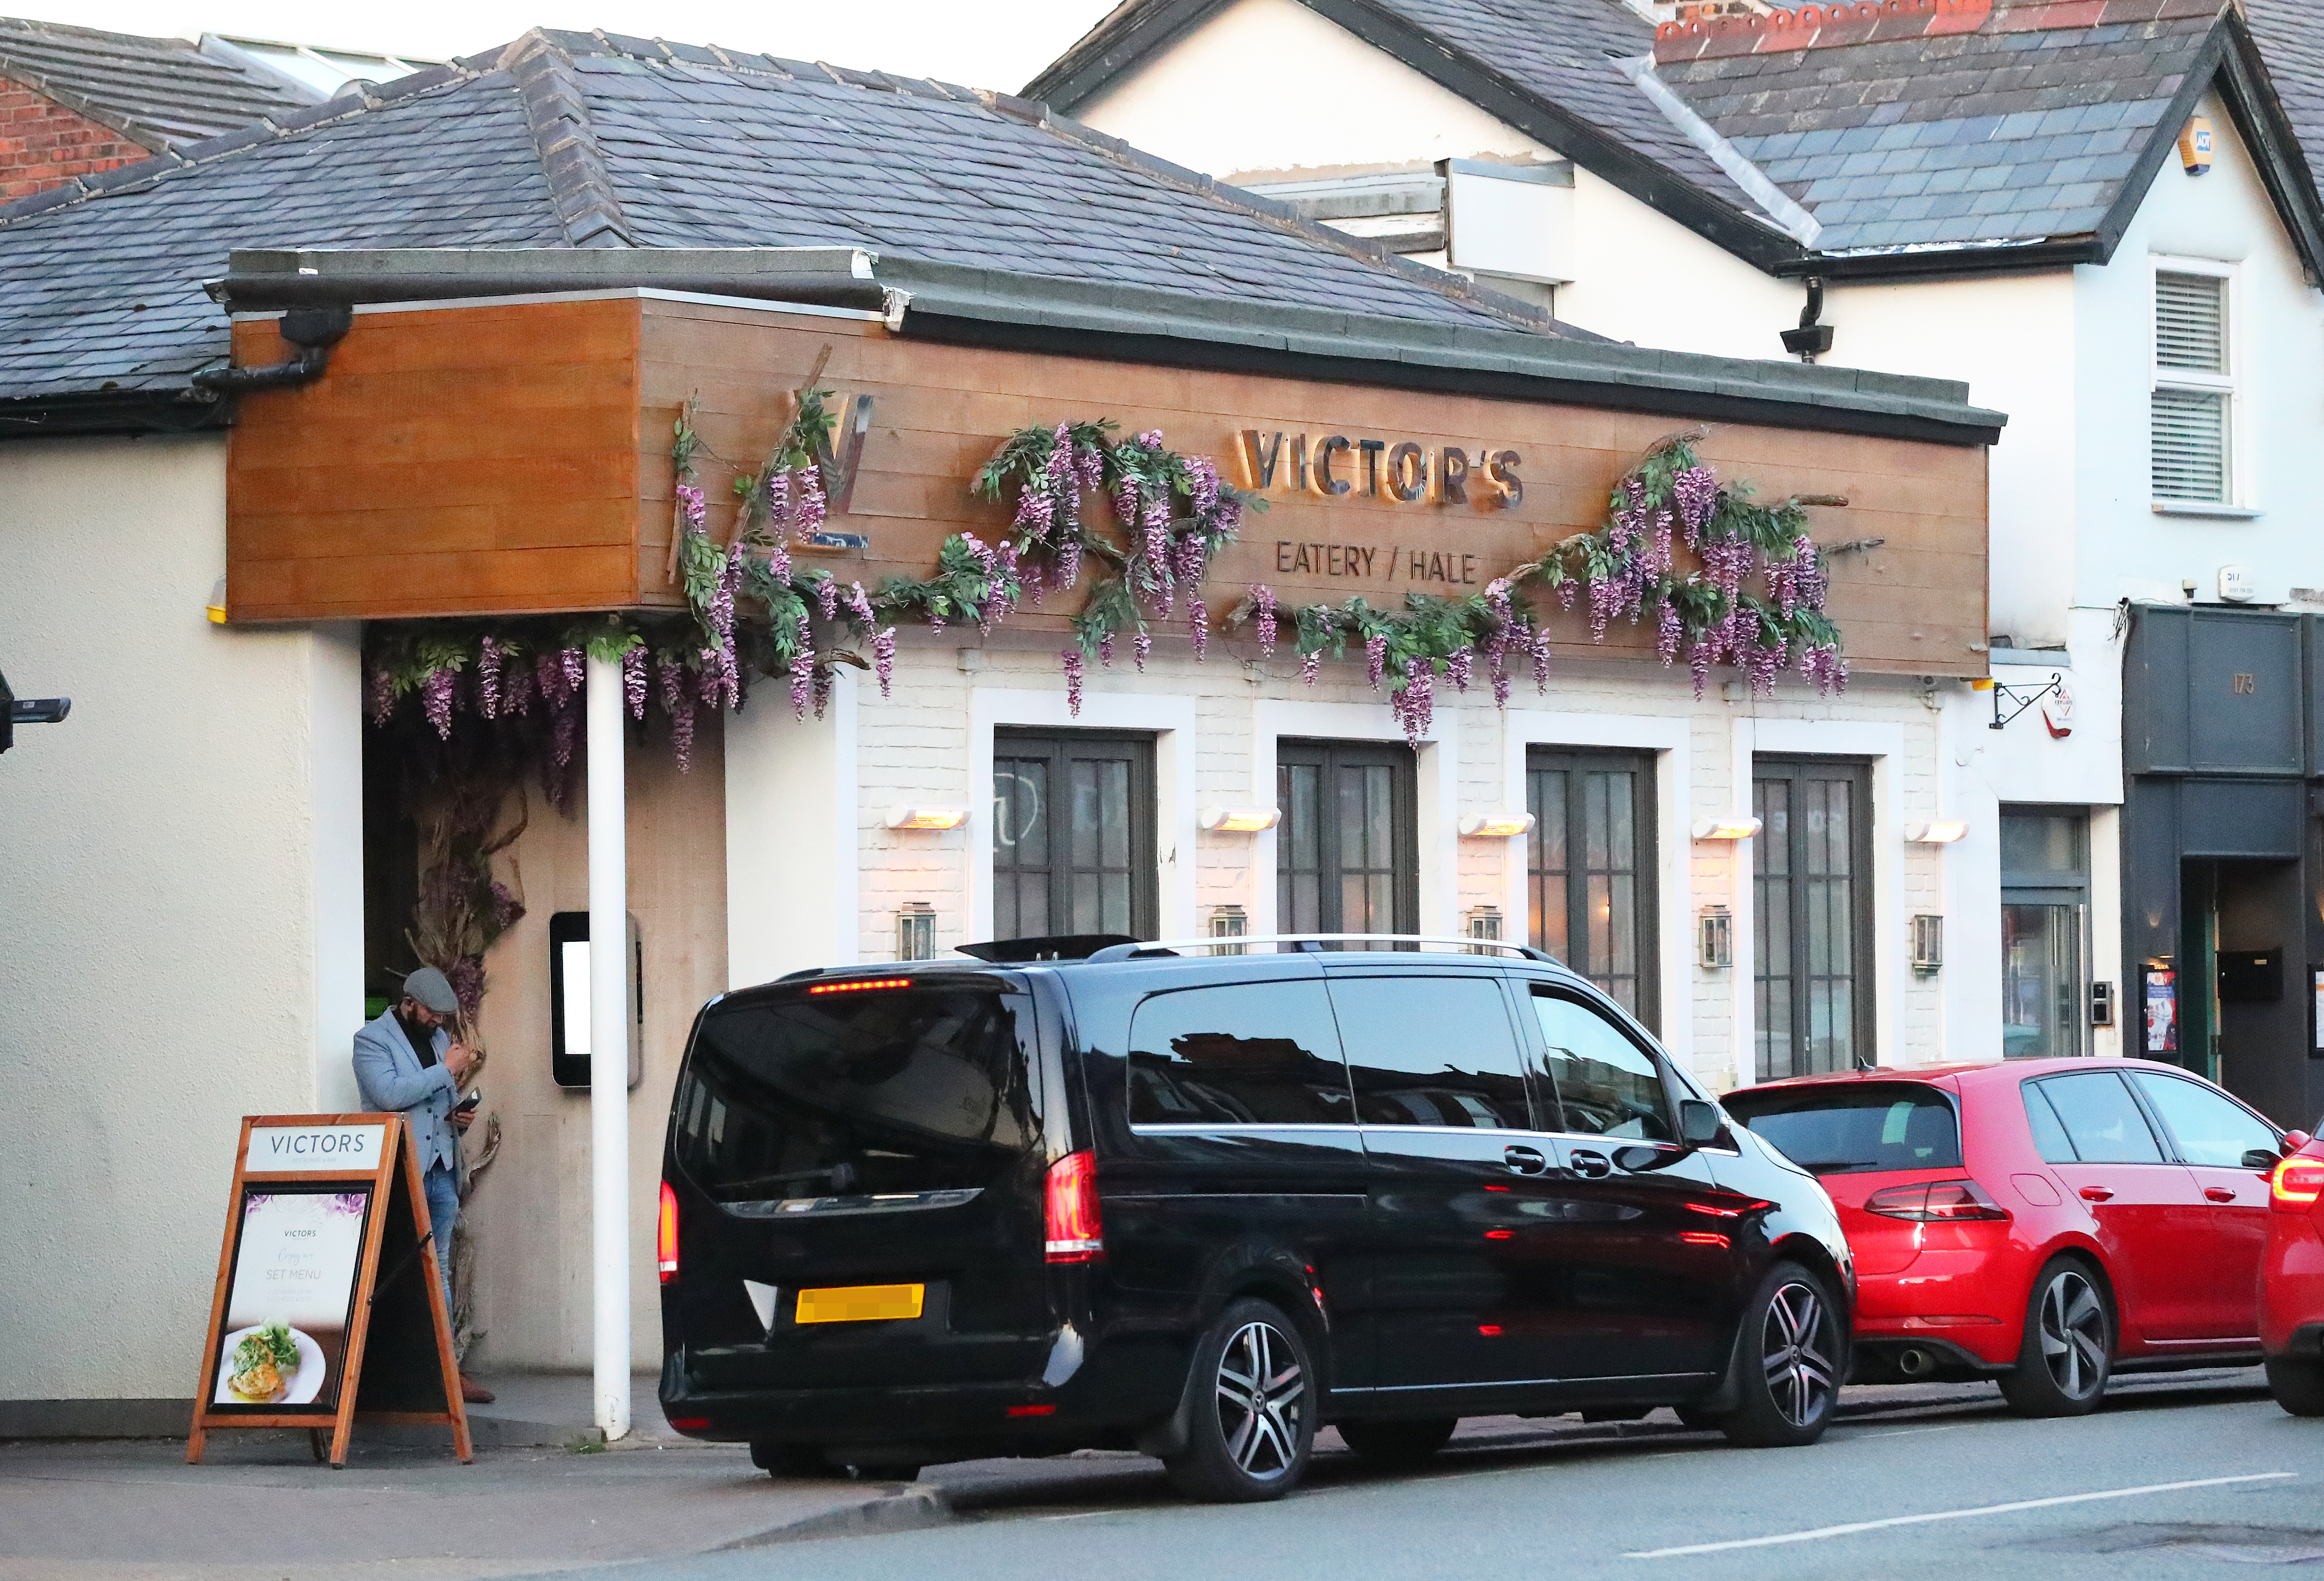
(469, 1103)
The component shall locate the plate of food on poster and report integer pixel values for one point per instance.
(270, 1363)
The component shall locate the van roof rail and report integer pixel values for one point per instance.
(1235, 944)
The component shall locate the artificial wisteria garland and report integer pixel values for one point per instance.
(1755, 602)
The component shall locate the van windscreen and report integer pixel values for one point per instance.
(1854, 1127)
(850, 1092)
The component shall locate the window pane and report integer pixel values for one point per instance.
(2042, 842)
(1431, 1051)
(1606, 1084)
(1546, 791)
(2100, 1119)
(1299, 868)
(1856, 1128)
(1020, 845)
(2191, 323)
(1771, 917)
(2189, 460)
(2048, 1134)
(2209, 1129)
(1244, 1053)
(2041, 981)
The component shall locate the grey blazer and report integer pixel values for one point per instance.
(389, 1073)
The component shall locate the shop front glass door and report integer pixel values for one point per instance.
(1072, 834)
(1347, 854)
(2041, 980)
(1590, 875)
(1811, 902)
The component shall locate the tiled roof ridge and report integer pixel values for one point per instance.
(557, 113)
(1364, 248)
(1883, 21)
(356, 100)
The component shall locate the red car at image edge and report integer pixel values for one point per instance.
(2292, 1284)
(2047, 1223)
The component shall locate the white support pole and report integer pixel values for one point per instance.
(608, 1045)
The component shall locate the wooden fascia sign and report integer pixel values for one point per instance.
(329, 1305)
(1402, 470)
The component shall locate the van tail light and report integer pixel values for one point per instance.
(1069, 1205)
(2295, 1185)
(1936, 1202)
(665, 1234)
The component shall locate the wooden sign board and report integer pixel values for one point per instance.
(512, 458)
(329, 1305)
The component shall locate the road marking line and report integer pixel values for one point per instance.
(1906, 1432)
(1856, 1526)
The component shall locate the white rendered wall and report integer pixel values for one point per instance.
(2276, 328)
(181, 857)
(1268, 85)
(791, 817)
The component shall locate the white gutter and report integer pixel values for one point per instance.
(1790, 218)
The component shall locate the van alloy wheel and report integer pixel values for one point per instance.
(1262, 1395)
(1794, 1346)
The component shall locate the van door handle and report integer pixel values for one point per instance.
(1589, 1165)
(2098, 1194)
(1525, 1161)
(2219, 1193)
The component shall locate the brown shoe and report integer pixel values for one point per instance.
(474, 1392)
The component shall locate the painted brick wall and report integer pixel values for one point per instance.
(43, 144)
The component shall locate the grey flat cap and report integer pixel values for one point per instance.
(432, 989)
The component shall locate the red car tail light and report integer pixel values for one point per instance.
(1936, 1202)
(1070, 1206)
(665, 1234)
(2295, 1185)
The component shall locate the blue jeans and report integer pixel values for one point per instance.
(443, 1212)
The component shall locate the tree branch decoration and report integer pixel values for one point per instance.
(1755, 601)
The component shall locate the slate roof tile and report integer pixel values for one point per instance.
(690, 153)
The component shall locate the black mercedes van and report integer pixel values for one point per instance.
(1202, 1204)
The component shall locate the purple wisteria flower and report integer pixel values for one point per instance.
(1311, 666)
(1262, 598)
(883, 658)
(808, 517)
(802, 680)
(1105, 650)
(574, 664)
(858, 604)
(692, 508)
(1458, 666)
(1198, 627)
(779, 503)
(488, 678)
(1696, 490)
(826, 596)
(563, 735)
(436, 696)
(1668, 629)
(1141, 647)
(1540, 660)
(1375, 660)
(1071, 660)
(678, 696)
(516, 687)
(633, 680)
(1416, 704)
(381, 694)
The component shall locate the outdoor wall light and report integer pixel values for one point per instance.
(900, 817)
(1734, 827)
(1928, 944)
(1240, 820)
(1935, 833)
(915, 930)
(1490, 826)
(1228, 921)
(1715, 946)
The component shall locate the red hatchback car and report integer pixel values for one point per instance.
(2042, 1222)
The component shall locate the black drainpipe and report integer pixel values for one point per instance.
(313, 331)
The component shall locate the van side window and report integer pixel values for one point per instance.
(1238, 1054)
(1606, 1084)
(1431, 1051)
(2101, 1119)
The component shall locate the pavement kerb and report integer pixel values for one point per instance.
(909, 1509)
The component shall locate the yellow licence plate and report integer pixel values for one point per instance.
(860, 1303)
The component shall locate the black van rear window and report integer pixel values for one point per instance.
(1854, 1127)
(853, 1091)
(1239, 1054)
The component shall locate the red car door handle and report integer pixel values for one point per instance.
(2219, 1193)
(2098, 1194)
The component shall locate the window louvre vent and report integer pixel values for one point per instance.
(2191, 323)
(2190, 445)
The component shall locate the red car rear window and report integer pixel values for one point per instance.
(1854, 1127)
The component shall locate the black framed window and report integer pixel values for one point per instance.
(1072, 834)
(1591, 868)
(1812, 915)
(1348, 851)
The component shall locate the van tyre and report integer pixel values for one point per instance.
(1251, 1402)
(1398, 1443)
(2067, 1353)
(2298, 1386)
(1788, 1355)
(791, 1461)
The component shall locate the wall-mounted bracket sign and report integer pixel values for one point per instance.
(329, 1305)
(2021, 698)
